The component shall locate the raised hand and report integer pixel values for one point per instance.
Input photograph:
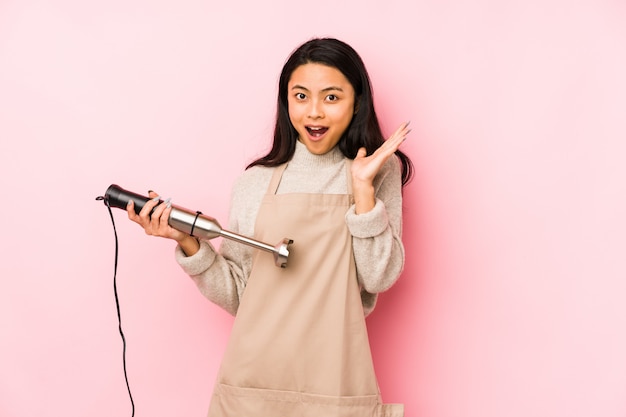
(365, 168)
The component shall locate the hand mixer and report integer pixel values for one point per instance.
(196, 224)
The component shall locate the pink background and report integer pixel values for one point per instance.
(512, 300)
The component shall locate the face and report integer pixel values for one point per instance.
(321, 106)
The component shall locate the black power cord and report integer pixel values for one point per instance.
(117, 303)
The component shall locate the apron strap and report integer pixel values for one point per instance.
(349, 178)
(276, 177)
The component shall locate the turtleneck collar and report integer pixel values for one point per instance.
(302, 156)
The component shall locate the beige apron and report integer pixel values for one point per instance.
(299, 345)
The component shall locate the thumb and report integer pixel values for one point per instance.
(361, 153)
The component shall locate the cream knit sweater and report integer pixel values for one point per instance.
(376, 235)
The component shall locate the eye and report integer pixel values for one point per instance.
(332, 97)
(300, 96)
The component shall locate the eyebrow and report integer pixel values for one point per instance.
(324, 90)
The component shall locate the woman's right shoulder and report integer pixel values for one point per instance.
(253, 178)
(251, 183)
(247, 193)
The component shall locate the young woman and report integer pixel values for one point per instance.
(299, 344)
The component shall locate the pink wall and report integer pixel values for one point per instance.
(512, 299)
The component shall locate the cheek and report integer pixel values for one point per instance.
(295, 121)
(295, 112)
(345, 115)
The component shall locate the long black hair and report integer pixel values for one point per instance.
(364, 129)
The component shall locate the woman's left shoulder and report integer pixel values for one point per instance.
(389, 178)
(391, 168)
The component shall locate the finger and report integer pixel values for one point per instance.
(165, 215)
(156, 217)
(396, 139)
(159, 212)
(160, 220)
(130, 208)
(149, 206)
(401, 132)
(155, 200)
(390, 145)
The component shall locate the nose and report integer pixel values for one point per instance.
(316, 110)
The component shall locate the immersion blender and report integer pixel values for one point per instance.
(196, 224)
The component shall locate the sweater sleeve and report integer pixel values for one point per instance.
(222, 276)
(218, 276)
(376, 236)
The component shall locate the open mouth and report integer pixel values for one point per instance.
(316, 131)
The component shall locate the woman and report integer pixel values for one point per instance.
(299, 343)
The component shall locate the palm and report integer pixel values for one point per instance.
(365, 168)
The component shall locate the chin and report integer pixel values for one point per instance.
(317, 150)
